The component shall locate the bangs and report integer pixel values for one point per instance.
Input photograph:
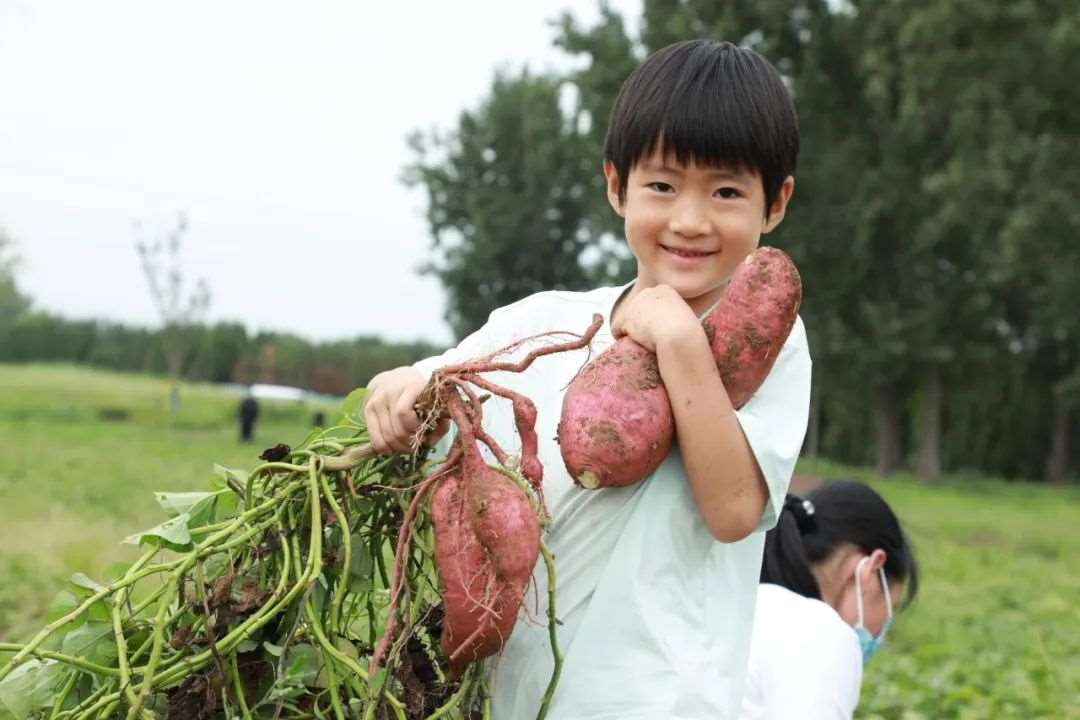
(706, 103)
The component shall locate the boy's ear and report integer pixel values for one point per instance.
(779, 205)
(612, 178)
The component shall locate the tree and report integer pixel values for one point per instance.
(13, 303)
(180, 310)
(507, 192)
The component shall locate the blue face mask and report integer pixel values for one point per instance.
(868, 642)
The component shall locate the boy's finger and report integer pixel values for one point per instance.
(435, 434)
(376, 433)
(398, 437)
(381, 429)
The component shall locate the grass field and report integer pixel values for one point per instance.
(994, 634)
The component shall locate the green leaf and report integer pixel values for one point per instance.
(172, 534)
(222, 474)
(177, 503)
(352, 407)
(375, 682)
(117, 570)
(93, 641)
(79, 580)
(301, 664)
(273, 649)
(62, 604)
(31, 686)
(361, 565)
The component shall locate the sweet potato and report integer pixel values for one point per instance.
(617, 425)
(487, 541)
(754, 318)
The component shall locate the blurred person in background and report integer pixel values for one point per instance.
(248, 414)
(835, 567)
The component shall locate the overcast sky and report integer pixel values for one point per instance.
(278, 127)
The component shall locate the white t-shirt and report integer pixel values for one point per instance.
(655, 614)
(805, 661)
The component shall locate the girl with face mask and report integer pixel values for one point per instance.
(835, 566)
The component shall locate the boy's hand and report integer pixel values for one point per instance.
(655, 316)
(388, 412)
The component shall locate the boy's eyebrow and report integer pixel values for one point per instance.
(717, 173)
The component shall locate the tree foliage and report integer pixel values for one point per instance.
(13, 303)
(934, 218)
(508, 190)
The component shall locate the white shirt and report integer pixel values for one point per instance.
(805, 661)
(655, 614)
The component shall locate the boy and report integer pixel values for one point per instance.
(655, 582)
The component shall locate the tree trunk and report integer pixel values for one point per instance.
(887, 411)
(929, 464)
(1057, 460)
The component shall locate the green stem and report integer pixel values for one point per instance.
(132, 575)
(273, 606)
(485, 692)
(88, 702)
(77, 662)
(147, 684)
(455, 700)
(238, 688)
(320, 636)
(256, 621)
(332, 687)
(395, 705)
(556, 653)
(346, 543)
(63, 696)
(121, 646)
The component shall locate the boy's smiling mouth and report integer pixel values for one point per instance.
(680, 252)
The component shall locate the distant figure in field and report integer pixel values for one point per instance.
(174, 399)
(319, 420)
(249, 413)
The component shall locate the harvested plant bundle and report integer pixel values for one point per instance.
(617, 425)
(327, 582)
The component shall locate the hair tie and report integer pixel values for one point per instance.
(803, 511)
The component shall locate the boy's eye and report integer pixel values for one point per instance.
(728, 193)
(660, 187)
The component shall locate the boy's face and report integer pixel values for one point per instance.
(689, 226)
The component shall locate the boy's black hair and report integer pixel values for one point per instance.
(844, 512)
(708, 102)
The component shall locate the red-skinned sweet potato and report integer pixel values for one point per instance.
(487, 541)
(617, 425)
(754, 318)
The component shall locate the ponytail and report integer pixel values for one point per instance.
(785, 561)
(835, 514)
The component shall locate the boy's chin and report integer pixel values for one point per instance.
(701, 298)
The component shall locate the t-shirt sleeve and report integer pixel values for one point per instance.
(817, 679)
(774, 420)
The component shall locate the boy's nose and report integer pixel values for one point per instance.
(689, 219)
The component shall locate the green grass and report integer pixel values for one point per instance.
(73, 484)
(995, 632)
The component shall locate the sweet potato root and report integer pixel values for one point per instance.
(487, 541)
(617, 425)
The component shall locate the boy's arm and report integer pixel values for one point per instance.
(726, 481)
